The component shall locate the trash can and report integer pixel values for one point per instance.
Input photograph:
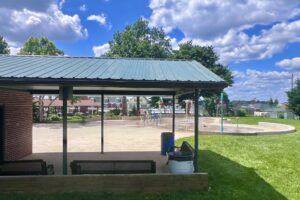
(167, 142)
(180, 162)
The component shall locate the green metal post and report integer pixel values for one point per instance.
(173, 114)
(196, 99)
(65, 130)
(102, 123)
(222, 113)
(138, 106)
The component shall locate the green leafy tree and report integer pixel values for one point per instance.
(3, 46)
(140, 41)
(206, 56)
(276, 102)
(294, 98)
(40, 46)
(210, 104)
(271, 102)
(35, 111)
(154, 102)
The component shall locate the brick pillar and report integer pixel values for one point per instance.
(17, 123)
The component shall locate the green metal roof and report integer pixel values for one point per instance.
(55, 68)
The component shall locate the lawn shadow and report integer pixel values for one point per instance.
(231, 180)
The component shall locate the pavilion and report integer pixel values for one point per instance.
(65, 76)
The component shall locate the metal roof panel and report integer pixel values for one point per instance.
(57, 67)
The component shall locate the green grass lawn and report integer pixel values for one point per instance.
(239, 167)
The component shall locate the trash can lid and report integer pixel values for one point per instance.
(180, 156)
(167, 133)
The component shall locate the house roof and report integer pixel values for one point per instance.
(59, 103)
(106, 72)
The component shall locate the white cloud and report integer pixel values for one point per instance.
(216, 17)
(101, 19)
(238, 46)
(61, 3)
(261, 85)
(83, 8)
(14, 50)
(174, 43)
(290, 64)
(238, 74)
(223, 24)
(101, 50)
(21, 20)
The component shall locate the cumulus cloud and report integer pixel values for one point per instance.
(290, 64)
(22, 19)
(238, 46)
(101, 19)
(174, 43)
(216, 17)
(14, 50)
(224, 25)
(101, 50)
(261, 85)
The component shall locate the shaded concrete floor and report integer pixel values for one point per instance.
(119, 135)
(123, 140)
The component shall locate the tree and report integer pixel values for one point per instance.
(209, 59)
(211, 103)
(140, 41)
(276, 102)
(206, 56)
(294, 98)
(40, 46)
(271, 102)
(154, 102)
(3, 46)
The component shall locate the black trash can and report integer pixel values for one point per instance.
(167, 142)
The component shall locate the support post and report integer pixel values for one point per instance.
(102, 123)
(196, 114)
(138, 106)
(222, 113)
(65, 129)
(173, 114)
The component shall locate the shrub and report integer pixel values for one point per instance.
(280, 115)
(55, 118)
(116, 111)
(111, 115)
(78, 114)
(241, 112)
(133, 112)
(76, 117)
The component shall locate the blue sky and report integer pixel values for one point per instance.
(117, 13)
(258, 40)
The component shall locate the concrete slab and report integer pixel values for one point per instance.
(123, 140)
(119, 135)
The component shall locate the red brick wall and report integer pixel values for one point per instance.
(18, 123)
